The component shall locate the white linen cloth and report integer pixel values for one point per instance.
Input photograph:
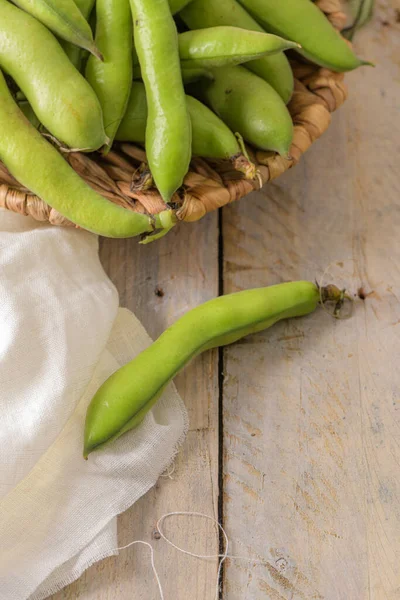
(61, 335)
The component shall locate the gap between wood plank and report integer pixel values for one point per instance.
(220, 408)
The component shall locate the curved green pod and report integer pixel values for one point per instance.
(75, 53)
(61, 98)
(250, 106)
(274, 69)
(303, 22)
(37, 165)
(211, 138)
(63, 18)
(123, 400)
(112, 78)
(168, 131)
(224, 45)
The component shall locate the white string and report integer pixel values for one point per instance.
(168, 473)
(222, 556)
(153, 566)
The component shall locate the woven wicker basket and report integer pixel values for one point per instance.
(209, 185)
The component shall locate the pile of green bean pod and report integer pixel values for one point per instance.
(182, 78)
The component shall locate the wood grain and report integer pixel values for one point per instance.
(158, 283)
(311, 420)
(311, 408)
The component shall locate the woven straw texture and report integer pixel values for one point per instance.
(208, 185)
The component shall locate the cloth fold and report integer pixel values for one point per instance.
(61, 335)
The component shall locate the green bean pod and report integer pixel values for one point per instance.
(61, 98)
(75, 53)
(63, 18)
(168, 131)
(37, 165)
(223, 45)
(274, 69)
(112, 78)
(123, 400)
(250, 106)
(211, 138)
(303, 22)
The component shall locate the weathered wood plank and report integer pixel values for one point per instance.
(311, 408)
(158, 283)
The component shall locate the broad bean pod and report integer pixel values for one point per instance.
(63, 18)
(37, 165)
(224, 45)
(61, 98)
(303, 22)
(125, 398)
(168, 131)
(112, 78)
(274, 69)
(211, 138)
(250, 106)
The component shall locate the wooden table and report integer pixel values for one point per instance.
(294, 438)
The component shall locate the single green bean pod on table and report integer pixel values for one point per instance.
(123, 401)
